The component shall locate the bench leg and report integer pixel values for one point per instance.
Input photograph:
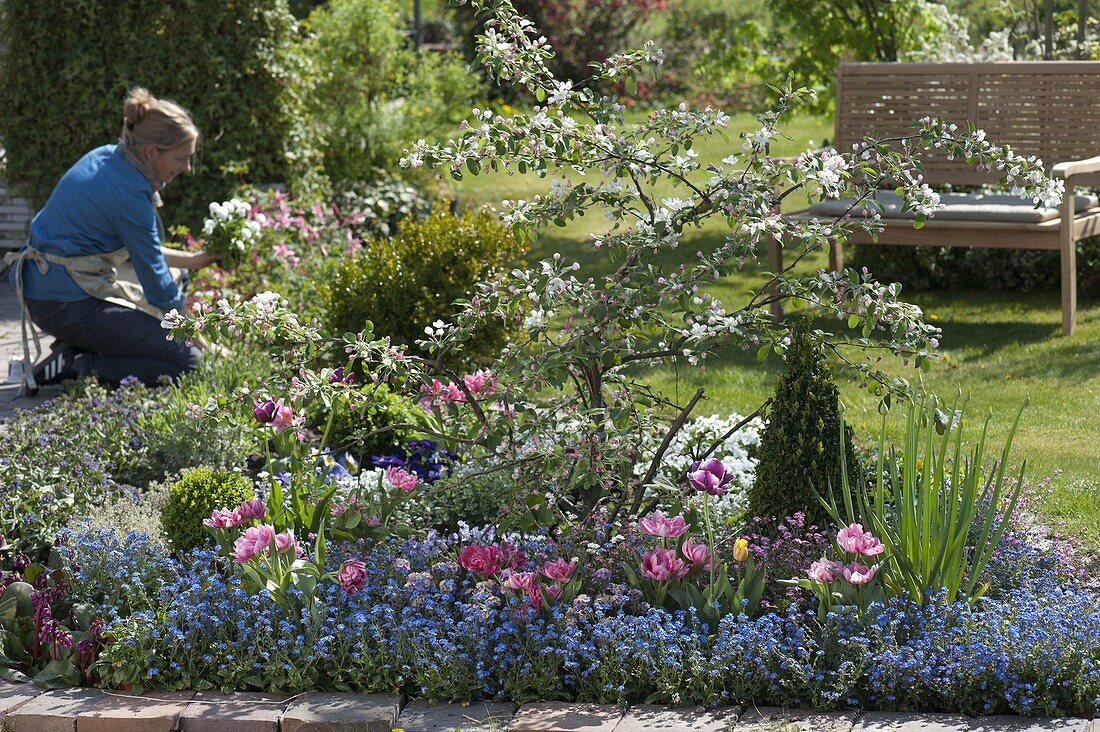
(775, 264)
(836, 256)
(1069, 266)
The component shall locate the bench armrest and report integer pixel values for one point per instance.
(1075, 167)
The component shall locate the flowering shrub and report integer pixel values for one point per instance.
(786, 547)
(576, 381)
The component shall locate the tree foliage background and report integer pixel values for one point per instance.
(66, 66)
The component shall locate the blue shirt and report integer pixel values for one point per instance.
(103, 203)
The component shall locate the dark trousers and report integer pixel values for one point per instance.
(120, 341)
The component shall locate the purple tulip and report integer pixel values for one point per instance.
(264, 411)
(710, 476)
(338, 377)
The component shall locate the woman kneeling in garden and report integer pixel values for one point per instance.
(93, 273)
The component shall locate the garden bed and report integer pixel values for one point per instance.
(423, 474)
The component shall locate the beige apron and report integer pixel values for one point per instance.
(109, 277)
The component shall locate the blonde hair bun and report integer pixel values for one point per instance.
(138, 103)
(151, 121)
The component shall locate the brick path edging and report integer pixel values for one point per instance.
(25, 708)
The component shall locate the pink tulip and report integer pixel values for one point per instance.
(284, 415)
(255, 540)
(824, 570)
(857, 574)
(663, 564)
(352, 576)
(660, 525)
(534, 596)
(697, 554)
(285, 542)
(402, 479)
(253, 508)
(520, 581)
(854, 540)
(483, 560)
(559, 570)
(223, 518)
(511, 556)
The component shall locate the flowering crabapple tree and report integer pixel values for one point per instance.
(566, 407)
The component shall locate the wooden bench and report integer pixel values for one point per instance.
(1050, 109)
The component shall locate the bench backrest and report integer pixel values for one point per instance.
(1046, 108)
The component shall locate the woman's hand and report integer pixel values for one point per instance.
(187, 260)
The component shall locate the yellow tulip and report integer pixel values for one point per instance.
(741, 549)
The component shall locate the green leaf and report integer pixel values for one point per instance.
(58, 675)
(84, 613)
(306, 582)
(13, 676)
(12, 647)
(20, 593)
(31, 573)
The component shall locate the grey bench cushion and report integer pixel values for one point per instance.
(960, 207)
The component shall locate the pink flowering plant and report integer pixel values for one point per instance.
(540, 586)
(851, 580)
(371, 504)
(680, 572)
(940, 508)
(276, 562)
(566, 406)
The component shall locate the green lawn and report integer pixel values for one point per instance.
(999, 349)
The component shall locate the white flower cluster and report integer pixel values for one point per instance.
(230, 232)
(922, 199)
(828, 168)
(695, 437)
